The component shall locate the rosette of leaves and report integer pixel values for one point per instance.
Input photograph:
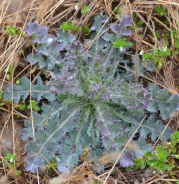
(91, 106)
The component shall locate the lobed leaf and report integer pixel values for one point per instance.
(22, 91)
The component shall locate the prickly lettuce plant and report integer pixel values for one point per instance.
(91, 101)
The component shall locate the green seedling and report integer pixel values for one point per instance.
(11, 162)
(21, 106)
(166, 22)
(17, 81)
(52, 165)
(167, 36)
(134, 15)
(84, 10)
(69, 27)
(121, 43)
(96, 182)
(1, 92)
(1, 104)
(176, 38)
(33, 105)
(72, 27)
(9, 71)
(117, 9)
(158, 35)
(86, 30)
(140, 23)
(160, 10)
(13, 31)
(161, 159)
(158, 57)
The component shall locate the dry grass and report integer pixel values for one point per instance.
(52, 13)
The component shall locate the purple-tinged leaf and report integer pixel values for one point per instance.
(63, 168)
(121, 28)
(52, 50)
(127, 159)
(39, 33)
(33, 164)
(98, 21)
(33, 27)
(65, 38)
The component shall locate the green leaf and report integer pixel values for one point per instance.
(160, 10)
(175, 136)
(147, 56)
(148, 154)
(17, 81)
(161, 154)
(1, 93)
(10, 166)
(11, 30)
(150, 161)
(140, 23)
(177, 156)
(84, 10)
(52, 165)
(18, 115)
(65, 26)
(69, 27)
(140, 163)
(33, 105)
(121, 43)
(18, 172)
(2, 103)
(86, 30)
(9, 69)
(117, 9)
(21, 106)
(159, 149)
(8, 77)
(10, 157)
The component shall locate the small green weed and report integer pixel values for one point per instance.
(161, 10)
(13, 31)
(121, 43)
(9, 71)
(11, 162)
(66, 27)
(33, 105)
(176, 38)
(137, 22)
(21, 106)
(69, 27)
(84, 10)
(163, 159)
(157, 57)
(117, 9)
(52, 165)
(86, 30)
